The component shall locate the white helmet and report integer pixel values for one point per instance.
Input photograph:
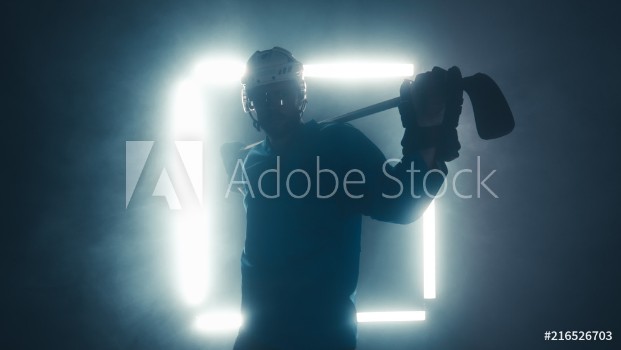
(272, 66)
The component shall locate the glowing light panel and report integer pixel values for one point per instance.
(226, 322)
(219, 71)
(358, 70)
(191, 253)
(429, 252)
(218, 322)
(224, 71)
(392, 316)
(190, 234)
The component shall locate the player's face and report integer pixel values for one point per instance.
(277, 107)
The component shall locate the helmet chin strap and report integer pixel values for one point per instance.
(255, 121)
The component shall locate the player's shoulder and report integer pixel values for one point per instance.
(340, 132)
(345, 140)
(256, 152)
(256, 147)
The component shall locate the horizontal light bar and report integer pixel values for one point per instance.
(218, 322)
(228, 71)
(358, 70)
(393, 316)
(227, 322)
(219, 71)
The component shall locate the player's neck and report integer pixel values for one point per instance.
(281, 142)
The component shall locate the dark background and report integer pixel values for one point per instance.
(79, 271)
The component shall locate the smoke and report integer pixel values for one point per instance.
(84, 272)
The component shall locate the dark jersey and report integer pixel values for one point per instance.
(304, 210)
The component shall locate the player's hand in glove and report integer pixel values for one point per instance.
(423, 99)
(430, 108)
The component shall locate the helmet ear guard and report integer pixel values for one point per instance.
(249, 108)
(246, 103)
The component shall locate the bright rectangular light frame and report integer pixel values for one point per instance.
(201, 78)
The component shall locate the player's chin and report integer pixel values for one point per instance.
(277, 130)
(277, 126)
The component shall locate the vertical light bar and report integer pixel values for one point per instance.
(429, 252)
(188, 110)
(194, 224)
(191, 222)
(191, 248)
